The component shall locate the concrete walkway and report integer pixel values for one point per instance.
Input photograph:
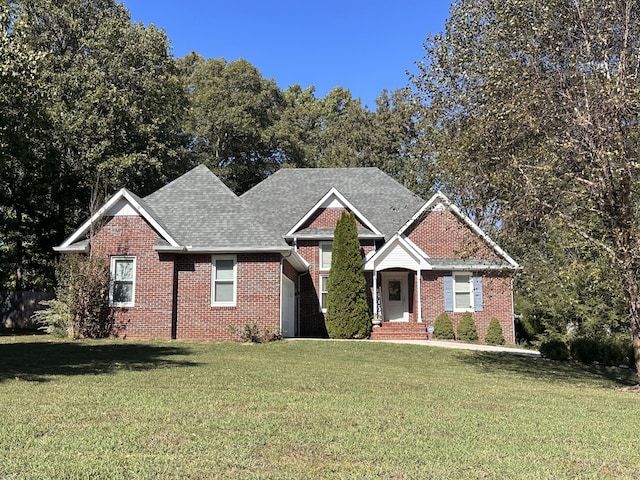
(444, 344)
(468, 346)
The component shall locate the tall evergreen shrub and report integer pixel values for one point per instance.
(467, 331)
(348, 313)
(443, 327)
(494, 334)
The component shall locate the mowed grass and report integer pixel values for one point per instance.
(307, 409)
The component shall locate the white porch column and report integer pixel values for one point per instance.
(375, 293)
(419, 293)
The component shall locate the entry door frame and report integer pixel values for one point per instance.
(287, 307)
(391, 309)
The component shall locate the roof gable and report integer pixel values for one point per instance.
(333, 199)
(440, 202)
(284, 198)
(207, 216)
(123, 202)
(399, 251)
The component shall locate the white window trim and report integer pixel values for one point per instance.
(471, 293)
(322, 246)
(214, 259)
(112, 271)
(320, 291)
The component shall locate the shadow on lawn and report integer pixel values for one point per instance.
(549, 370)
(36, 361)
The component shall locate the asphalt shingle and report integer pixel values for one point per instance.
(199, 211)
(286, 196)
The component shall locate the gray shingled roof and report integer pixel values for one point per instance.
(286, 196)
(199, 211)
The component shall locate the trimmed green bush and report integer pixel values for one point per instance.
(607, 350)
(467, 331)
(554, 349)
(443, 327)
(494, 334)
(348, 314)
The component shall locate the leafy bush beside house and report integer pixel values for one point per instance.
(494, 334)
(443, 327)
(467, 331)
(81, 307)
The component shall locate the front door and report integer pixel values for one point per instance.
(395, 298)
(288, 308)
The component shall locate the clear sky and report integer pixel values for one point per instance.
(363, 45)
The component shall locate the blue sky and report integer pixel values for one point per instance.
(365, 46)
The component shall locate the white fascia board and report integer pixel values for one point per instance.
(442, 198)
(345, 203)
(121, 194)
(72, 249)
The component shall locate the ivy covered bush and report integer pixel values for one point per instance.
(494, 334)
(467, 331)
(443, 327)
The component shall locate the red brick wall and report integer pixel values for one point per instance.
(257, 297)
(497, 302)
(440, 234)
(326, 218)
(151, 315)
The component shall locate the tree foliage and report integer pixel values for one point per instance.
(81, 307)
(533, 109)
(88, 97)
(348, 314)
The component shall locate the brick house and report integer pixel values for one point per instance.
(193, 260)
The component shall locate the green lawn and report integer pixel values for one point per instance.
(307, 409)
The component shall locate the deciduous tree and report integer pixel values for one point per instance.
(533, 109)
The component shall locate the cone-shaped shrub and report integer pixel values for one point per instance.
(348, 313)
(467, 331)
(443, 327)
(494, 333)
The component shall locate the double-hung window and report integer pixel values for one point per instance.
(123, 281)
(324, 265)
(326, 249)
(463, 291)
(223, 280)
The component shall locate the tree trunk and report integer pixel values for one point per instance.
(632, 299)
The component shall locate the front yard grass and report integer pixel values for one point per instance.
(307, 409)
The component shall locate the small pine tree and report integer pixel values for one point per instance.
(467, 331)
(348, 313)
(494, 333)
(443, 327)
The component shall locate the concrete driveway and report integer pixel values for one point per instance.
(468, 346)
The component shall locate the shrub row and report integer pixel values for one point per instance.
(467, 331)
(615, 350)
